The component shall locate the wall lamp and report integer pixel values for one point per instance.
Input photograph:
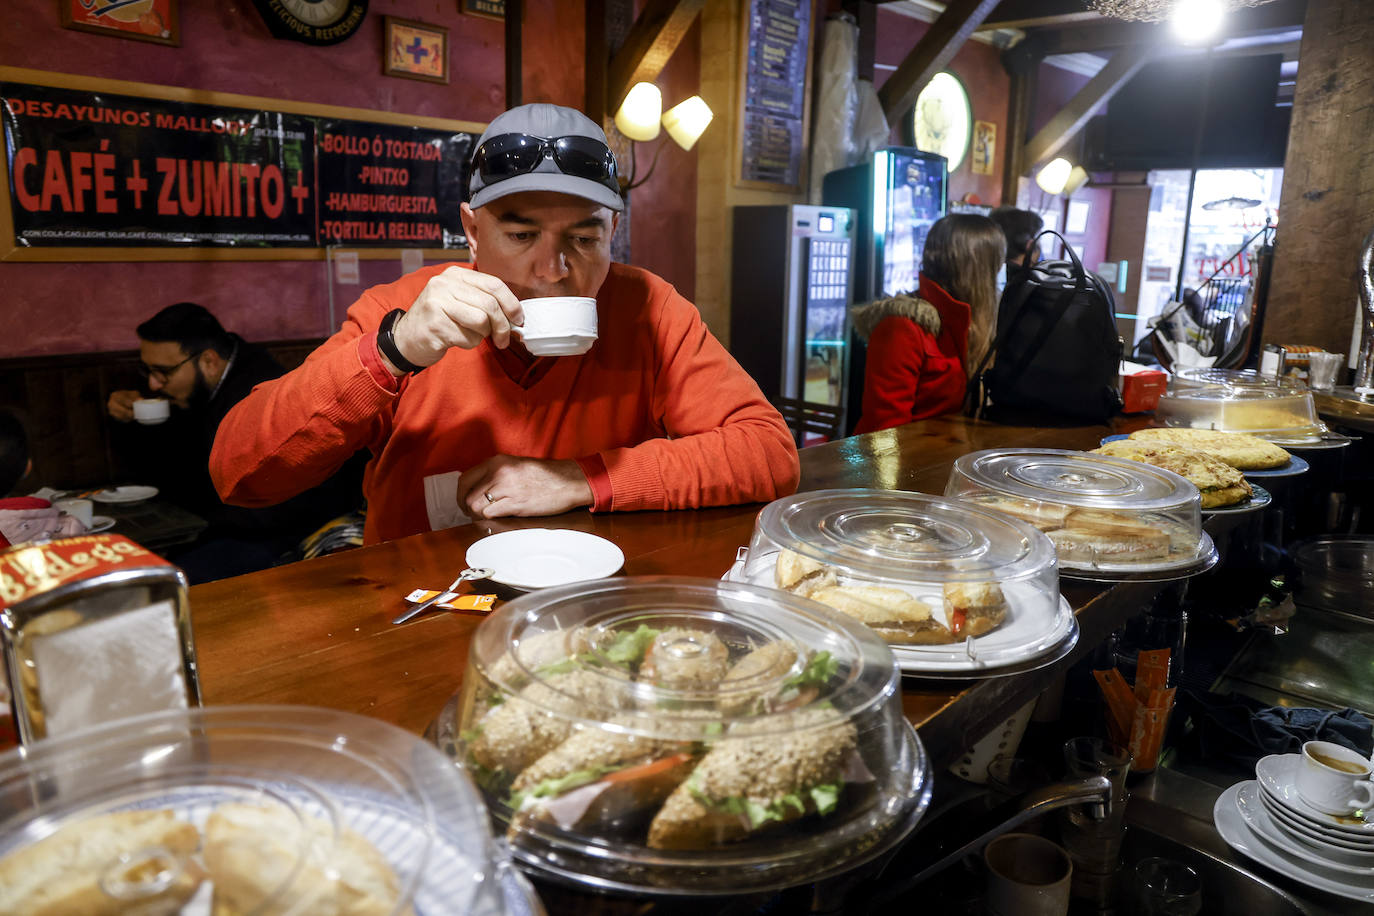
(641, 115)
(1059, 176)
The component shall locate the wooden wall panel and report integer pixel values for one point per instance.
(1327, 206)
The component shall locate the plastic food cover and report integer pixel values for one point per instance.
(925, 572)
(247, 809)
(1109, 518)
(683, 736)
(1240, 402)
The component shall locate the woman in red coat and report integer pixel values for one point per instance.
(922, 347)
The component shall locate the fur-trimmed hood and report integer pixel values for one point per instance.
(867, 316)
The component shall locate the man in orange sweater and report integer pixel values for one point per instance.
(463, 422)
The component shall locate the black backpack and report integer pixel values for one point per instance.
(1057, 348)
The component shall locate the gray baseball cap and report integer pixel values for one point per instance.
(548, 122)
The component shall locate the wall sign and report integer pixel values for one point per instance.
(90, 170)
(146, 20)
(315, 22)
(490, 9)
(776, 89)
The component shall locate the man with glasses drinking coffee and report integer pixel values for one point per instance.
(432, 373)
(191, 361)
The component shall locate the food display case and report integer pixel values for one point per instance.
(1241, 402)
(677, 736)
(1110, 519)
(957, 589)
(251, 809)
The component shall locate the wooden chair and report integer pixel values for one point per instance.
(808, 417)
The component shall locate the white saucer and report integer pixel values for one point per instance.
(1257, 818)
(1301, 830)
(100, 523)
(533, 558)
(124, 495)
(1233, 829)
(1277, 775)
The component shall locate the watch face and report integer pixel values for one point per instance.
(317, 22)
(942, 120)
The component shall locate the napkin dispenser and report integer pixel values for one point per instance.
(93, 628)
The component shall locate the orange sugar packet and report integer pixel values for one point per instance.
(1151, 673)
(481, 603)
(1121, 705)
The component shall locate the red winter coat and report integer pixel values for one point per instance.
(916, 352)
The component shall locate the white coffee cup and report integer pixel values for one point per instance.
(1334, 779)
(558, 325)
(83, 510)
(151, 411)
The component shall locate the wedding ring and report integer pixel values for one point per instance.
(490, 498)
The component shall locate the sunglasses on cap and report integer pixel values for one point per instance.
(507, 155)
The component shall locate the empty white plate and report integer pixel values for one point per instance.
(1302, 830)
(542, 557)
(133, 494)
(100, 523)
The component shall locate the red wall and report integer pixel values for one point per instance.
(979, 67)
(63, 308)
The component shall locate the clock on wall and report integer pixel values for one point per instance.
(315, 22)
(942, 121)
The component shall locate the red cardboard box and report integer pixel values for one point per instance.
(1140, 391)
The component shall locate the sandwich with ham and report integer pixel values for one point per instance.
(895, 616)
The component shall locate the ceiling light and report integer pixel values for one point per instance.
(1197, 21)
(638, 116)
(686, 121)
(1078, 177)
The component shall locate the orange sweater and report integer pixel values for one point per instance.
(657, 402)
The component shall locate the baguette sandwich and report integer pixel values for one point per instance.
(750, 784)
(1045, 516)
(601, 779)
(71, 871)
(974, 608)
(896, 616)
(801, 575)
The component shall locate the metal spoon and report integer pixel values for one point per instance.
(480, 572)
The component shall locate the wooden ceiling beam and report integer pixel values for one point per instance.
(651, 42)
(932, 53)
(1061, 128)
(1028, 14)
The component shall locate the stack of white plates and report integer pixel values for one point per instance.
(1266, 819)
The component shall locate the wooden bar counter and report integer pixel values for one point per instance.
(319, 632)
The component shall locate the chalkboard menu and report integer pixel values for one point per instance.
(773, 120)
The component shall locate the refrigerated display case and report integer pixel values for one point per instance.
(790, 296)
(897, 195)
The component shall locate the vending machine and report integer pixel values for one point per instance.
(896, 195)
(791, 287)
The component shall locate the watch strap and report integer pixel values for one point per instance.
(386, 342)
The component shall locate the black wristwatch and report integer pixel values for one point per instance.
(386, 342)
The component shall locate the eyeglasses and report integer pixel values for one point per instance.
(162, 373)
(507, 155)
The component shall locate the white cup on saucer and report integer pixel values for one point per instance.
(1334, 779)
(558, 325)
(151, 411)
(83, 510)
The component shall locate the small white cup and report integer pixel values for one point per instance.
(1322, 369)
(83, 510)
(1334, 779)
(151, 411)
(558, 325)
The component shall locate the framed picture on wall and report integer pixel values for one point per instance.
(487, 9)
(415, 50)
(145, 20)
(984, 147)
